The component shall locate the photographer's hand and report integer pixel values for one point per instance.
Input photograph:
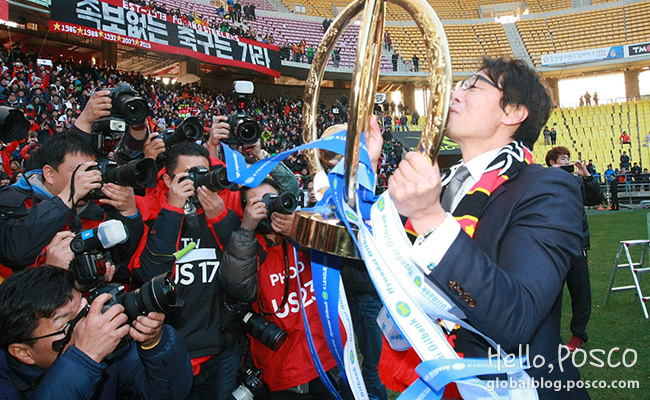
(98, 334)
(211, 202)
(220, 131)
(59, 253)
(254, 212)
(99, 105)
(147, 330)
(282, 223)
(180, 191)
(153, 147)
(121, 198)
(581, 169)
(84, 181)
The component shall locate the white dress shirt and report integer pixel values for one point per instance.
(427, 253)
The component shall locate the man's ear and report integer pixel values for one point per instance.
(22, 352)
(167, 179)
(515, 115)
(552, 162)
(48, 174)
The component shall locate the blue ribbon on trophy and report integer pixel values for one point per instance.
(412, 305)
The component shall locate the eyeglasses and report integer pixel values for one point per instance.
(470, 82)
(67, 329)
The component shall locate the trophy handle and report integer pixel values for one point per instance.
(329, 236)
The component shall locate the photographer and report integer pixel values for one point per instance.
(178, 211)
(100, 105)
(254, 270)
(52, 199)
(577, 278)
(52, 349)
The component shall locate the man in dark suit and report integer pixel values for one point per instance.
(500, 258)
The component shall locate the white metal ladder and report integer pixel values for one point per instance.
(635, 268)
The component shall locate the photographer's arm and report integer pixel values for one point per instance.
(23, 239)
(237, 273)
(161, 242)
(98, 106)
(160, 371)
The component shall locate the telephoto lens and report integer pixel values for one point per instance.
(215, 180)
(190, 129)
(136, 173)
(271, 335)
(157, 295)
(13, 125)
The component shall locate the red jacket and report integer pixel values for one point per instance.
(291, 365)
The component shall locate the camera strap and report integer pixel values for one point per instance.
(75, 224)
(285, 297)
(192, 221)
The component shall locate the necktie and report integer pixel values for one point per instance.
(452, 188)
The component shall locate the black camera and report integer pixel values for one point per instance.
(568, 168)
(244, 130)
(13, 125)
(90, 246)
(214, 179)
(250, 383)
(127, 105)
(284, 203)
(106, 134)
(189, 129)
(140, 173)
(157, 295)
(256, 325)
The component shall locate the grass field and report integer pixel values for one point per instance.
(621, 323)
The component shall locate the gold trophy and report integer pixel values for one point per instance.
(321, 229)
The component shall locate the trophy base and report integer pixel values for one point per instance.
(320, 229)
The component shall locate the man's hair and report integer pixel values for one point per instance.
(184, 148)
(29, 295)
(521, 86)
(555, 153)
(54, 150)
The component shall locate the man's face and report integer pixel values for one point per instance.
(563, 159)
(60, 177)
(476, 112)
(310, 191)
(186, 162)
(259, 191)
(42, 352)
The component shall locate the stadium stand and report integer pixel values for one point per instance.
(593, 132)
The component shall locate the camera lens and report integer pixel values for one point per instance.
(157, 295)
(244, 130)
(217, 179)
(135, 173)
(285, 203)
(288, 203)
(248, 132)
(271, 335)
(135, 110)
(13, 125)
